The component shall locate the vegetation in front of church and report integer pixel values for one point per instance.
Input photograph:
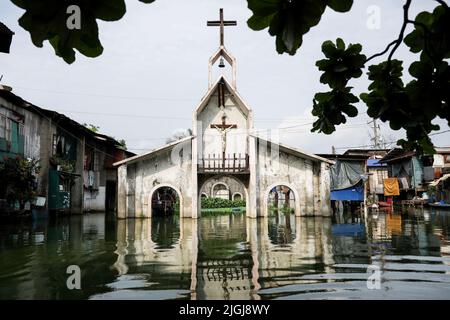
(213, 206)
(215, 203)
(412, 106)
(222, 211)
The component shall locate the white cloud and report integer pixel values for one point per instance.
(159, 52)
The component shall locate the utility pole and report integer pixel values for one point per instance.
(376, 137)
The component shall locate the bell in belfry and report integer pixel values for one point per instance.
(221, 63)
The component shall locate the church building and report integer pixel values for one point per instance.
(225, 157)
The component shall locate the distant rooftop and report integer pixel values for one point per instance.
(60, 118)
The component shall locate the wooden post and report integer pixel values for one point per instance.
(239, 168)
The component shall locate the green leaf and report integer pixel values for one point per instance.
(340, 5)
(46, 20)
(288, 21)
(109, 10)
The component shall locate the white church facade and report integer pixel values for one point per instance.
(225, 157)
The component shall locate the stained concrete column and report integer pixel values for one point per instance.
(325, 202)
(254, 192)
(195, 203)
(122, 192)
(77, 192)
(309, 189)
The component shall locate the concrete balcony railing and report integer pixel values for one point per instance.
(235, 163)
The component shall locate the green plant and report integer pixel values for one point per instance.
(222, 211)
(66, 165)
(91, 127)
(284, 209)
(213, 203)
(18, 177)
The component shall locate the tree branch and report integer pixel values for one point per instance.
(383, 52)
(396, 43)
(402, 31)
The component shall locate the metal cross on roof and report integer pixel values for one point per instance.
(221, 23)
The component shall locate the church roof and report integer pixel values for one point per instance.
(152, 152)
(296, 151)
(240, 102)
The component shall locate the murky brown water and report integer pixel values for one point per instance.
(230, 257)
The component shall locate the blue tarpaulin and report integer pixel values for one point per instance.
(348, 229)
(355, 193)
(375, 163)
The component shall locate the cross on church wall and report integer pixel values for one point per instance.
(223, 128)
(222, 23)
(223, 125)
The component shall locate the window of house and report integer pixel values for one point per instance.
(2, 126)
(447, 158)
(96, 161)
(20, 129)
(92, 160)
(54, 144)
(381, 174)
(8, 130)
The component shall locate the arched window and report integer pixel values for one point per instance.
(221, 190)
(237, 196)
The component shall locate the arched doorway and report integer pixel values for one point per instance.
(165, 201)
(281, 198)
(281, 204)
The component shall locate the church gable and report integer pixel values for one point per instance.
(231, 97)
(222, 122)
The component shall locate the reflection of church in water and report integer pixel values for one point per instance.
(224, 257)
(225, 157)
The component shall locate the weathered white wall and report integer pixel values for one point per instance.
(143, 177)
(95, 200)
(211, 138)
(232, 184)
(122, 184)
(308, 180)
(375, 184)
(325, 200)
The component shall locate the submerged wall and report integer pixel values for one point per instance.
(138, 180)
(308, 179)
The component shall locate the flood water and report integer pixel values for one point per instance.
(230, 257)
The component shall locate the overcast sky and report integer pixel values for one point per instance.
(154, 71)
